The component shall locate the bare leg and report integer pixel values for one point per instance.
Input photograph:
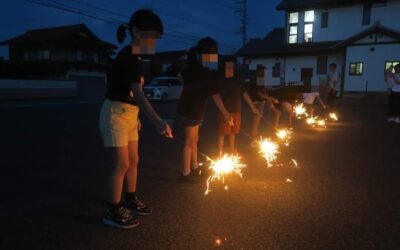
(254, 128)
(190, 148)
(120, 157)
(131, 174)
(232, 147)
(220, 144)
(277, 115)
(195, 142)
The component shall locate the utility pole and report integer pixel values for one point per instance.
(242, 12)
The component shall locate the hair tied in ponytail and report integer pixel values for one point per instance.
(121, 32)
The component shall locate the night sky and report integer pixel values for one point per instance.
(184, 20)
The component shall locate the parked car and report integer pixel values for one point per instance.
(163, 88)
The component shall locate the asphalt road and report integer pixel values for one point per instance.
(345, 194)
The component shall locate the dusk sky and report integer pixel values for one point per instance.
(184, 21)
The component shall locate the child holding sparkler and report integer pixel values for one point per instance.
(259, 96)
(199, 85)
(231, 91)
(119, 123)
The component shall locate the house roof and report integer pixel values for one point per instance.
(58, 34)
(377, 28)
(303, 4)
(274, 45)
(274, 40)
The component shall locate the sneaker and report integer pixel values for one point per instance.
(391, 119)
(138, 207)
(120, 218)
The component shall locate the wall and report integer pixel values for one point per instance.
(345, 22)
(374, 66)
(291, 67)
(11, 89)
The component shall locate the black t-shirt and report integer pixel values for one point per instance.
(231, 91)
(124, 71)
(198, 85)
(253, 89)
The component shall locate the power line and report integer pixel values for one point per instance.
(107, 19)
(242, 11)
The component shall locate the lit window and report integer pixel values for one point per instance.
(293, 34)
(356, 68)
(390, 65)
(294, 17)
(293, 26)
(293, 30)
(308, 25)
(309, 16)
(308, 28)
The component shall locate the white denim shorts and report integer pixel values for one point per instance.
(118, 123)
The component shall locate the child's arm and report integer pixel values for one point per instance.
(220, 105)
(267, 97)
(250, 103)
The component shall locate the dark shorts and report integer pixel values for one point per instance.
(225, 129)
(187, 122)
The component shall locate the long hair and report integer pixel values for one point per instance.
(143, 20)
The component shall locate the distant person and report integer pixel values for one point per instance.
(119, 123)
(259, 96)
(396, 94)
(199, 84)
(232, 90)
(333, 84)
(391, 82)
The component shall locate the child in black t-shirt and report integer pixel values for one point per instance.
(259, 96)
(231, 90)
(119, 123)
(199, 85)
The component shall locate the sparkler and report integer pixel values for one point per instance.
(284, 135)
(300, 111)
(269, 150)
(226, 165)
(333, 116)
(315, 122)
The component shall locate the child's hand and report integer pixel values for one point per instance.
(168, 132)
(229, 119)
(139, 126)
(256, 111)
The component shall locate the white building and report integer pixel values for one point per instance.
(361, 37)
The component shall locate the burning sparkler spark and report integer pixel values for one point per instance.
(300, 111)
(226, 165)
(311, 121)
(315, 122)
(284, 135)
(289, 180)
(333, 116)
(321, 123)
(269, 149)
